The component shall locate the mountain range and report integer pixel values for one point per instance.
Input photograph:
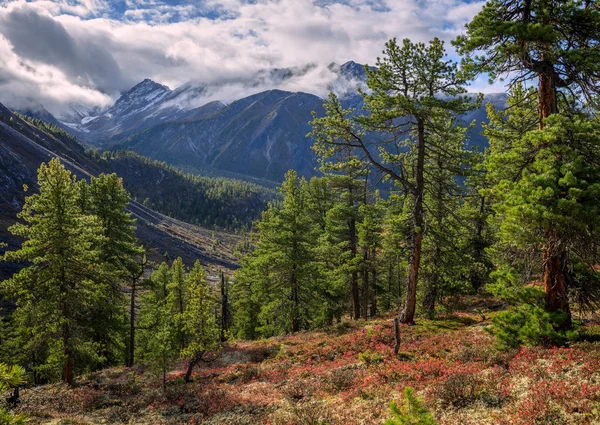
(257, 137)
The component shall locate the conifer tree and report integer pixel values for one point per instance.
(157, 344)
(555, 43)
(63, 279)
(413, 86)
(11, 377)
(107, 199)
(202, 337)
(284, 264)
(370, 242)
(340, 239)
(177, 299)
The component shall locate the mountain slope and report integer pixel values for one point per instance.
(261, 136)
(23, 147)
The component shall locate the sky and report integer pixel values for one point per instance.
(87, 52)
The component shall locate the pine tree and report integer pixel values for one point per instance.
(63, 280)
(202, 336)
(412, 86)
(157, 344)
(370, 241)
(11, 377)
(552, 41)
(177, 299)
(107, 199)
(555, 43)
(545, 198)
(283, 265)
(340, 239)
(412, 412)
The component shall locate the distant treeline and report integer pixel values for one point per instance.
(208, 201)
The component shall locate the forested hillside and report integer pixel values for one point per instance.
(213, 202)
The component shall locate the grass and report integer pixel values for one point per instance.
(348, 376)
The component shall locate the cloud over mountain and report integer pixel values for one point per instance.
(89, 51)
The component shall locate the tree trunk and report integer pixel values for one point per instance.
(430, 297)
(477, 279)
(555, 279)
(190, 368)
(365, 285)
(224, 313)
(555, 269)
(131, 359)
(68, 356)
(295, 302)
(164, 372)
(546, 96)
(396, 335)
(373, 311)
(354, 276)
(408, 313)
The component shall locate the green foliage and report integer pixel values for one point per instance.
(408, 134)
(412, 411)
(527, 324)
(281, 275)
(64, 279)
(11, 377)
(370, 357)
(209, 201)
(177, 317)
(545, 185)
(523, 39)
(201, 332)
(46, 127)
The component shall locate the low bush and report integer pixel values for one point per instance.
(412, 411)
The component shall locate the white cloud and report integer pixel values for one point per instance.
(173, 44)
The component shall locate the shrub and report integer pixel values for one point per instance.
(528, 325)
(304, 413)
(341, 378)
(370, 357)
(412, 411)
(11, 377)
(458, 390)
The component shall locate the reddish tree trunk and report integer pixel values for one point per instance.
(555, 270)
(546, 97)
(408, 313)
(555, 286)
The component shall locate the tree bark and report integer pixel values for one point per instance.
(354, 276)
(295, 302)
(430, 297)
(396, 335)
(365, 285)
(68, 356)
(131, 359)
(408, 313)
(224, 313)
(190, 368)
(373, 307)
(546, 95)
(555, 267)
(555, 284)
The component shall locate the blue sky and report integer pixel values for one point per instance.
(88, 51)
